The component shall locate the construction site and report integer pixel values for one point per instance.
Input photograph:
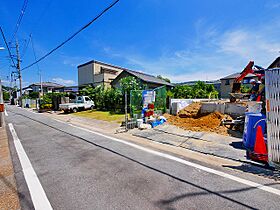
(246, 118)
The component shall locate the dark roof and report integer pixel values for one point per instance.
(148, 78)
(140, 75)
(235, 75)
(272, 65)
(47, 84)
(144, 77)
(99, 62)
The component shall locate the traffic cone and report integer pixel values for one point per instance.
(260, 148)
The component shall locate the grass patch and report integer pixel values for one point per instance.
(101, 115)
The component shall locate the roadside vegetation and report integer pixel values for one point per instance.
(199, 90)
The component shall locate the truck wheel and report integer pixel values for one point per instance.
(92, 107)
(75, 110)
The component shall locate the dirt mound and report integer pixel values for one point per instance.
(190, 118)
(193, 110)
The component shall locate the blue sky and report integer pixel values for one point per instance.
(180, 39)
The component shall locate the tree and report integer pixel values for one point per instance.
(6, 95)
(163, 78)
(199, 90)
(130, 83)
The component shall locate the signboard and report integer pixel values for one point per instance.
(148, 96)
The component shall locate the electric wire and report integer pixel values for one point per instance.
(73, 35)
(19, 19)
(25, 48)
(5, 40)
(34, 54)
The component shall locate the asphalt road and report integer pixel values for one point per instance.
(82, 170)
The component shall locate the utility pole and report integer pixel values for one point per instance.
(41, 83)
(19, 72)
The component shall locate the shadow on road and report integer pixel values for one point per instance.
(263, 172)
(237, 145)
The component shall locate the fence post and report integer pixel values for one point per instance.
(125, 108)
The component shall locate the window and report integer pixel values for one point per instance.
(87, 99)
(227, 82)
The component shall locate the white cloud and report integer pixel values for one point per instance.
(74, 61)
(63, 81)
(260, 47)
(212, 55)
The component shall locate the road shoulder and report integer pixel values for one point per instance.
(9, 198)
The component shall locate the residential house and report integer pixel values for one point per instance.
(97, 73)
(149, 81)
(48, 87)
(227, 83)
(275, 64)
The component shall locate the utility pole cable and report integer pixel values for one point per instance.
(19, 72)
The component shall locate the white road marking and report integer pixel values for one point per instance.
(185, 162)
(6, 114)
(36, 190)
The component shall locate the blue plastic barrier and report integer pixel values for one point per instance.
(252, 121)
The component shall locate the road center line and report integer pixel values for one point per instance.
(185, 162)
(38, 195)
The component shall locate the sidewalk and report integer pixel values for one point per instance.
(203, 142)
(8, 190)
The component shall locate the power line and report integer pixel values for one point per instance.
(19, 19)
(72, 36)
(25, 47)
(35, 57)
(10, 54)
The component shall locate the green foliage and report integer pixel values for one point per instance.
(46, 101)
(6, 95)
(105, 98)
(163, 78)
(130, 83)
(199, 90)
(34, 95)
(245, 88)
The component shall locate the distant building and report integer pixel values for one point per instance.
(97, 73)
(149, 81)
(227, 83)
(48, 87)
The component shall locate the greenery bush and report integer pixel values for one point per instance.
(199, 90)
(6, 96)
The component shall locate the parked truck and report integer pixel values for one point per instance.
(81, 103)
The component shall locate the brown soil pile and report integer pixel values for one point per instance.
(191, 119)
(193, 110)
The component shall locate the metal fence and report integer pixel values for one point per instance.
(29, 103)
(272, 87)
